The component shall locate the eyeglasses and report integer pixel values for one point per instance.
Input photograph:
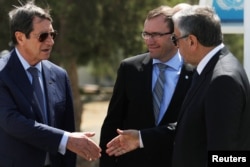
(155, 35)
(174, 39)
(43, 36)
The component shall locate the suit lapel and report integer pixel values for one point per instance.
(182, 87)
(23, 84)
(50, 87)
(146, 68)
(20, 80)
(203, 79)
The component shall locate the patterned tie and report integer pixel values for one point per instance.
(158, 91)
(37, 88)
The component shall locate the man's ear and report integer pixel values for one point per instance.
(193, 41)
(20, 37)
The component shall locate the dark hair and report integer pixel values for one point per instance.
(21, 18)
(164, 11)
(201, 22)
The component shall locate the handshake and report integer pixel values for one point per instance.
(81, 144)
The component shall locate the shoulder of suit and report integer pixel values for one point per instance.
(4, 60)
(51, 65)
(136, 61)
(136, 57)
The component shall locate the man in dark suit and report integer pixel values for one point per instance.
(34, 131)
(131, 105)
(215, 115)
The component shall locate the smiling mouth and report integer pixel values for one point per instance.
(46, 50)
(152, 49)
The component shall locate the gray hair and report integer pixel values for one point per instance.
(21, 18)
(202, 22)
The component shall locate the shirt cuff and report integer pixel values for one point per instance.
(63, 143)
(140, 140)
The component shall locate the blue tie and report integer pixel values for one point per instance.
(38, 90)
(158, 91)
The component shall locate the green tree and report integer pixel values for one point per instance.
(99, 34)
(5, 6)
(235, 43)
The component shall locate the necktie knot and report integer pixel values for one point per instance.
(161, 66)
(33, 71)
(194, 78)
(196, 74)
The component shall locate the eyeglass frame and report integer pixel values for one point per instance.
(40, 37)
(153, 35)
(174, 39)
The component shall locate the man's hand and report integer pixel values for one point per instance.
(81, 144)
(126, 141)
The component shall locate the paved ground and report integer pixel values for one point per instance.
(92, 119)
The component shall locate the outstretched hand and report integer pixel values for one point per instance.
(81, 144)
(126, 141)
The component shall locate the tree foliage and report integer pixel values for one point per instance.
(97, 33)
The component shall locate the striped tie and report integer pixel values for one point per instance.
(158, 91)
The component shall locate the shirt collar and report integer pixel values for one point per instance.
(206, 59)
(175, 62)
(25, 64)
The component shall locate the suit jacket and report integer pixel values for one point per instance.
(24, 139)
(131, 108)
(215, 114)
